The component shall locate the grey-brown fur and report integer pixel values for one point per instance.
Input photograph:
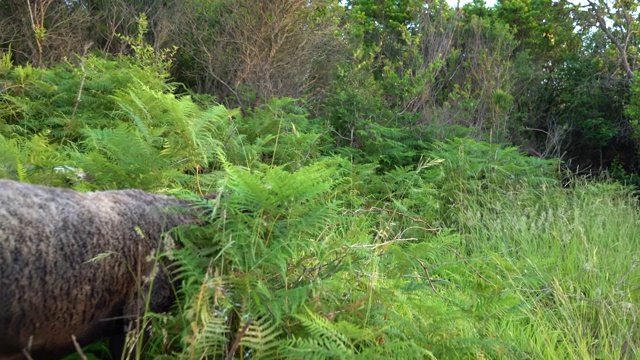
(49, 287)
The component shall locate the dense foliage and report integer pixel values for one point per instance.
(395, 178)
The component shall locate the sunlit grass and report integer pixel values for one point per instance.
(570, 256)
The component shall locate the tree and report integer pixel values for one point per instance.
(252, 49)
(43, 31)
(618, 21)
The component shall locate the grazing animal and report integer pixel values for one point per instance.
(78, 264)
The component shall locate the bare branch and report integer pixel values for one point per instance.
(621, 46)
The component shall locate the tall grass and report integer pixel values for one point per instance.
(570, 258)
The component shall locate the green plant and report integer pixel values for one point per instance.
(277, 133)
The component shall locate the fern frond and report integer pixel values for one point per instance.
(320, 328)
(260, 338)
(210, 338)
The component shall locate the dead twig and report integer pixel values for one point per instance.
(78, 347)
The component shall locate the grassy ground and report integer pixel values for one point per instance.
(565, 262)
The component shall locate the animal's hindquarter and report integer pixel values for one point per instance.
(61, 278)
(71, 262)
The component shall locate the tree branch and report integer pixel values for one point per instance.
(622, 47)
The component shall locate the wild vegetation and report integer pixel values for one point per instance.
(397, 179)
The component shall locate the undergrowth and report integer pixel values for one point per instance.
(464, 250)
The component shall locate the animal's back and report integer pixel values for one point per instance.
(54, 280)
